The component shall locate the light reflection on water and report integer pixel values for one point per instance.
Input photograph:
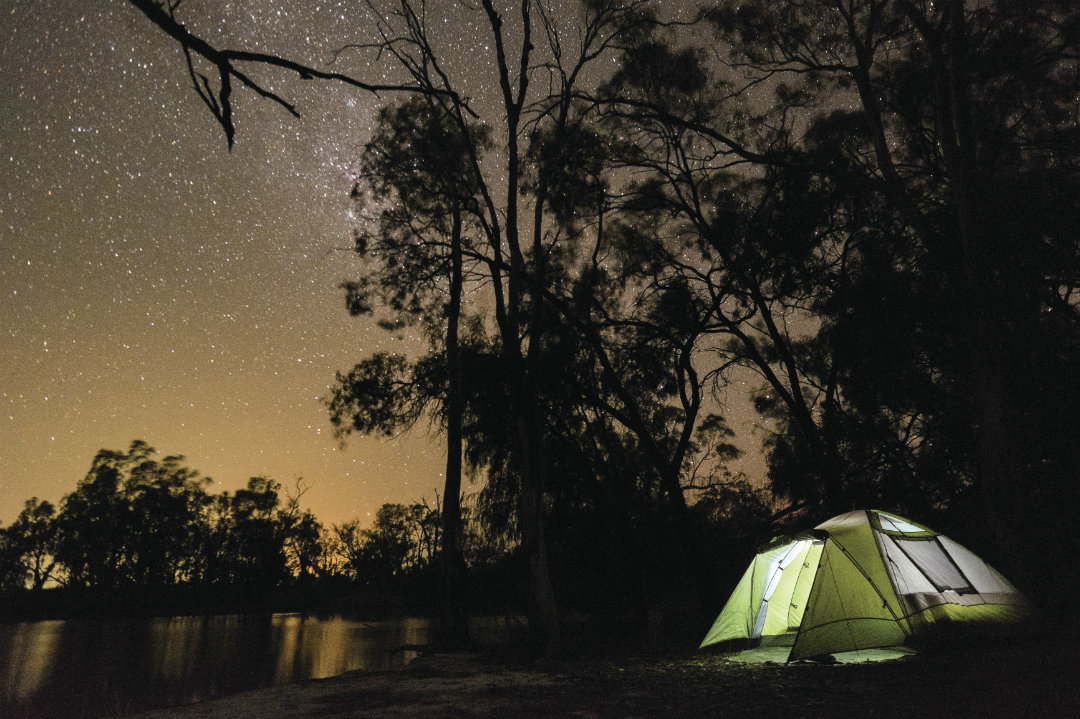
(98, 667)
(32, 647)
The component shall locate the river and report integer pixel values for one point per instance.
(90, 668)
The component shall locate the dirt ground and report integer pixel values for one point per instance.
(1030, 678)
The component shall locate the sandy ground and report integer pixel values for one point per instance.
(1030, 679)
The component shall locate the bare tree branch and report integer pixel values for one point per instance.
(219, 101)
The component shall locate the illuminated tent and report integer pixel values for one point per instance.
(862, 580)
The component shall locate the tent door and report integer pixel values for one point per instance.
(774, 574)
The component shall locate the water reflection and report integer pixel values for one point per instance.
(93, 668)
(28, 649)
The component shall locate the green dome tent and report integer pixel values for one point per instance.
(861, 580)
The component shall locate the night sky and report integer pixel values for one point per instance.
(156, 286)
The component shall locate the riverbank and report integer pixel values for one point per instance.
(1035, 677)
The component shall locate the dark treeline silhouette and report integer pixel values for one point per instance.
(860, 214)
(140, 534)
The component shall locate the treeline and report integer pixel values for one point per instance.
(146, 528)
(141, 534)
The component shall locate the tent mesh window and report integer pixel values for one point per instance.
(892, 524)
(935, 563)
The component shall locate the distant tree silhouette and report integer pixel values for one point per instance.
(388, 543)
(348, 546)
(403, 539)
(165, 531)
(30, 546)
(249, 539)
(12, 571)
(139, 521)
(140, 533)
(303, 537)
(132, 520)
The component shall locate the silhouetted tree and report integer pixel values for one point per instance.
(403, 539)
(12, 571)
(519, 242)
(418, 175)
(248, 537)
(132, 520)
(350, 548)
(302, 536)
(89, 541)
(165, 528)
(746, 256)
(29, 544)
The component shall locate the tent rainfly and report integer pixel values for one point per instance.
(862, 580)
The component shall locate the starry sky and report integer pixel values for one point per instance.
(155, 286)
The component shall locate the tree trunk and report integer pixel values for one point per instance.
(543, 611)
(454, 617)
(985, 331)
(948, 53)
